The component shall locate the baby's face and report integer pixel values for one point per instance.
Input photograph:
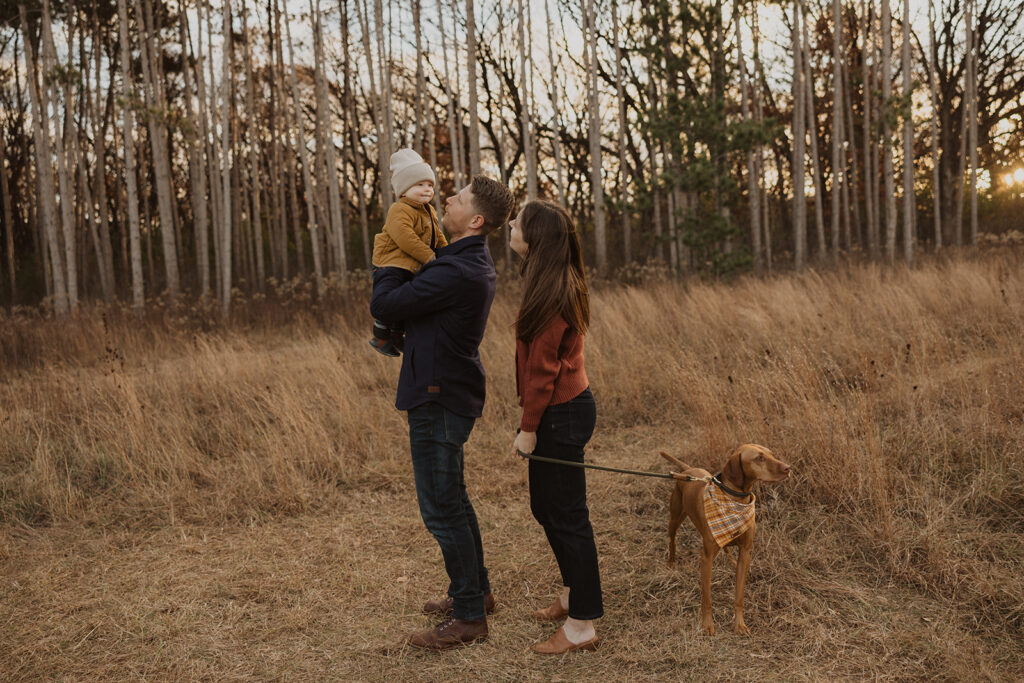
(421, 192)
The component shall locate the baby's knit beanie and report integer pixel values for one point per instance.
(407, 169)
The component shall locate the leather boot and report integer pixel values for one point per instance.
(444, 605)
(450, 633)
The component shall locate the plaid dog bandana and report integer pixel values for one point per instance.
(727, 517)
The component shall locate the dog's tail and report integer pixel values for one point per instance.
(675, 461)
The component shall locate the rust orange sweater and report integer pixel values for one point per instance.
(549, 371)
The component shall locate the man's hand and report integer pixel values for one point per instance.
(525, 442)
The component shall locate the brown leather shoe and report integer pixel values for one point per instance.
(558, 644)
(450, 633)
(444, 605)
(552, 613)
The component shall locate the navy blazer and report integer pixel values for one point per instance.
(445, 310)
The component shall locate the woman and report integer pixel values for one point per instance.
(558, 412)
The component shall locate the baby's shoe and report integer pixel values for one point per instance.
(385, 346)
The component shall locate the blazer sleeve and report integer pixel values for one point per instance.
(400, 226)
(432, 289)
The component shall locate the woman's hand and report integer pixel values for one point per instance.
(525, 442)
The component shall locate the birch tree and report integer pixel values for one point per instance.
(474, 107)
(594, 115)
(324, 119)
(307, 181)
(838, 129)
(44, 173)
(972, 114)
(5, 197)
(933, 91)
(627, 242)
(753, 188)
(799, 144)
(156, 111)
(131, 188)
(525, 118)
(812, 127)
(888, 176)
(909, 198)
(227, 160)
(61, 147)
(556, 118)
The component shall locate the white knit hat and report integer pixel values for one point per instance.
(407, 169)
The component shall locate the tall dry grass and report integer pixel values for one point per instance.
(895, 393)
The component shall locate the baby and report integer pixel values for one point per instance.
(409, 237)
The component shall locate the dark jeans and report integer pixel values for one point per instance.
(558, 500)
(436, 437)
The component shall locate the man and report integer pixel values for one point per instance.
(442, 386)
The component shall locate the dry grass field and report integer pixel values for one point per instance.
(184, 500)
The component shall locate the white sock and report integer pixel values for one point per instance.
(578, 631)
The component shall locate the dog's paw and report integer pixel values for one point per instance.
(708, 628)
(739, 628)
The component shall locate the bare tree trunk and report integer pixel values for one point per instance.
(290, 197)
(106, 265)
(909, 198)
(474, 106)
(972, 126)
(556, 117)
(870, 177)
(324, 115)
(227, 161)
(888, 175)
(44, 173)
(197, 161)
(758, 78)
(420, 129)
(128, 122)
(352, 129)
(64, 174)
(384, 136)
(799, 142)
(753, 189)
(853, 224)
(307, 181)
(214, 156)
(527, 88)
(453, 134)
(256, 219)
(838, 129)
(158, 144)
(594, 115)
(5, 194)
(387, 134)
(627, 238)
(933, 91)
(812, 125)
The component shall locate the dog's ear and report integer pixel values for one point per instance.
(733, 469)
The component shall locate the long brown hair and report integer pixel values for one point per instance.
(554, 282)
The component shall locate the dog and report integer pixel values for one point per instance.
(748, 464)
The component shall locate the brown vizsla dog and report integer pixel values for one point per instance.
(748, 464)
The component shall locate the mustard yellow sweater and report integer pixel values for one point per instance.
(409, 236)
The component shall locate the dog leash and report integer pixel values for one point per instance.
(554, 461)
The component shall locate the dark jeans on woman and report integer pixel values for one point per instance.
(436, 438)
(558, 500)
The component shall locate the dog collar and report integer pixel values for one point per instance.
(717, 479)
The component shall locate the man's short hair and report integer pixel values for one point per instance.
(493, 201)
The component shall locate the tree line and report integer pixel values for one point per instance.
(197, 148)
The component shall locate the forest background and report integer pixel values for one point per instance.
(802, 222)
